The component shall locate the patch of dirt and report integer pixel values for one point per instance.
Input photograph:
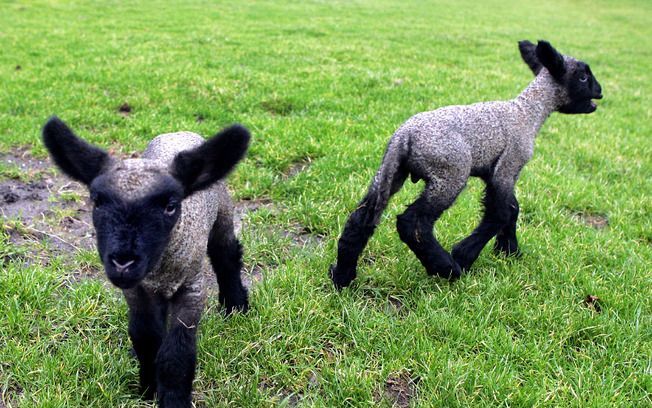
(395, 306)
(593, 220)
(124, 109)
(593, 302)
(281, 396)
(297, 167)
(278, 106)
(400, 389)
(42, 206)
(302, 236)
(12, 394)
(243, 207)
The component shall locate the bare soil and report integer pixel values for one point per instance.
(400, 389)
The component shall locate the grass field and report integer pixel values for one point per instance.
(322, 85)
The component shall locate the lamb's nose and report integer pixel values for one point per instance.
(122, 263)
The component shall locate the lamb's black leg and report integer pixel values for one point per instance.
(358, 229)
(177, 356)
(146, 330)
(176, 362)
(506, 241)
(225, 253)
(415, 228)
(362, 222)
(497, 215)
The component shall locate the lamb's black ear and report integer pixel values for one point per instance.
(551, 59)
(204, 165)
(78, 159)
(529, 55)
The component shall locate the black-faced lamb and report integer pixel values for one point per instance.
(444, 147)
(156, 217)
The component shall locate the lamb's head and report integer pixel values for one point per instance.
(574, 77)
(137, 202)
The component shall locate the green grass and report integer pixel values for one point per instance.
(329, 82)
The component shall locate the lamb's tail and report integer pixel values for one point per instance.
(388, 180)
(362, 222)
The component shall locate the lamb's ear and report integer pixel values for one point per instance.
(78, 159)
(529, 55)
(551, 59)
(202, 166)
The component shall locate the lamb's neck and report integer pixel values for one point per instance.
(539, 100)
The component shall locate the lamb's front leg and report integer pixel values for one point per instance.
(146, 330)
(177, 357)
(506, 241)
(497, 215)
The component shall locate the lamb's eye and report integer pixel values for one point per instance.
(170, 208)
(584, 78)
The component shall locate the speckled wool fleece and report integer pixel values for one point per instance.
(447, 145)
(184, 261)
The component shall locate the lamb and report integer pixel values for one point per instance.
(155, 219)
(444, 147)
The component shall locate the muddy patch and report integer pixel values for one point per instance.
(297, 167)
(299, 235)
(281, 396)
(400, 389)
(395, 306)
(278, 106)
(12, 394)
(124, 109)
(592, 302)
(39, 206)
(244, 207)
(593, 220)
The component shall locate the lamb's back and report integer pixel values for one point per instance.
(185, 256)
(481, 130)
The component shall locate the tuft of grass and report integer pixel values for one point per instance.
(325, 84)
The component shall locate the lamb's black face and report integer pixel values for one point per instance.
(575, 76)
(132, 234)
(582, 87)
(137, 202)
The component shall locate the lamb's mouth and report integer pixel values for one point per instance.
(593, 104)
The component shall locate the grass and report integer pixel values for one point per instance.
(326, 83)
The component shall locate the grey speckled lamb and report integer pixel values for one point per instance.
(490, 140)
(156, 217)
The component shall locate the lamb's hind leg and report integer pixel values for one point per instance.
(415, 227)
(497, 216)
(225, 253)
(359, 228)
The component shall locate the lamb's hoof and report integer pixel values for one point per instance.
(240, 307)
(451, 272)
(508, 247)
(172, 400)
(340, 280)
(455, 273)
(237, 303)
